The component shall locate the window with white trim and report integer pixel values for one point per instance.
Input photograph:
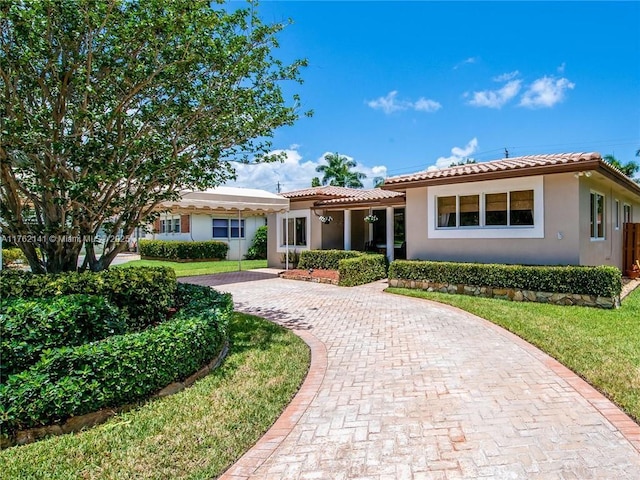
(626, 213)
(597, 225)
(504, 209)
(170, 225)
(616, 212)
(294, 230)
(228, 228)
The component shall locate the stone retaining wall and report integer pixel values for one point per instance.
(513, 294)
(75, 424)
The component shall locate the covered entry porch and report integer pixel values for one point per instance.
(379, 227)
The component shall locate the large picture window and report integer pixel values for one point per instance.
(597, 205)
(504, 209)
(228, 228)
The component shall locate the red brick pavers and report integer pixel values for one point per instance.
(414, 389)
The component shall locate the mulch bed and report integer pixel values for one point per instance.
(313, 275)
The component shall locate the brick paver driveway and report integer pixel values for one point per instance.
(416, 390)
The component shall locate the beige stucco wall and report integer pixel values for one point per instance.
(559, 245)
(609, 250)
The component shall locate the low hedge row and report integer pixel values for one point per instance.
(325, 259)
(176, 250)
(362, 269)
(603, 281)
(118, 370)
(28, 327)
(142, 293)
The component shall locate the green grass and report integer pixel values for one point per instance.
(189, 269)
(197, 433)
(602, 346)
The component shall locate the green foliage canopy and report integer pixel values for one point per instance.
(110, 107)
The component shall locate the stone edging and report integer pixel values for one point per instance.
(249, 463)
(513, 294)
(75, 424)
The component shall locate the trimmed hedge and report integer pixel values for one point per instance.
(28, 327)
(177, 250)
(603, 281)
(142, 293)
(362, 269)
(121, 369)
(325, 259)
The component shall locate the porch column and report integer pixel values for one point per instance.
(370, 227)
(347, 229)
(390, 239)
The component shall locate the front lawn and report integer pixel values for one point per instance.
(190, 269)
(197, 433)
(602, 346)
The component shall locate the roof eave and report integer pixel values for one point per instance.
(496, 175)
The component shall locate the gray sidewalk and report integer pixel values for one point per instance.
(413, 389)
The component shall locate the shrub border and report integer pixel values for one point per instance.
(88, 420)
(569, 285)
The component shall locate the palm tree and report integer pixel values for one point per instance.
(338, 172)
(629, 169)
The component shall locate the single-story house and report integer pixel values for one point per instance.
(556, 209)
(228, 214)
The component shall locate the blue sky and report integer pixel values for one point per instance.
(406, 86)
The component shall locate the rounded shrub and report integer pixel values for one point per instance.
(118, 370)
(29, 327)
(144, 294)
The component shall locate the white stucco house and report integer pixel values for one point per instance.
(227, 214)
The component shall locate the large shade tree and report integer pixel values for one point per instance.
(339, 171)
(110, 107)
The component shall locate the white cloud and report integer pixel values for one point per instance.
(505, 77)
(496, 98)
(426, 105)
(545, 92)
(561, 68)
(458, 154)
(293, 173)
(466, 61)
(390, 103)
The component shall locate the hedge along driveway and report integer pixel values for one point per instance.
(121, 369)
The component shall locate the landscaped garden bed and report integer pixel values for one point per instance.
(69, 353)
(346, 268)
(559, 285)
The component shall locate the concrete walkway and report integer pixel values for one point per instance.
(404, 388)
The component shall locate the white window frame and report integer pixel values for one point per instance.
(280, 235)
(174, 222)
(616, 212)
(593, 234)
(482, 188)
(242, 231)
(626, 207)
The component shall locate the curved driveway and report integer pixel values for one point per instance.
(412, 389)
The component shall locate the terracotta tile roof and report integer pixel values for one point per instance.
(514, 165)
(370, 195)
(330, 195)
(324, 191)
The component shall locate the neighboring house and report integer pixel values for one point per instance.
(228, 214)
(566, 209)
